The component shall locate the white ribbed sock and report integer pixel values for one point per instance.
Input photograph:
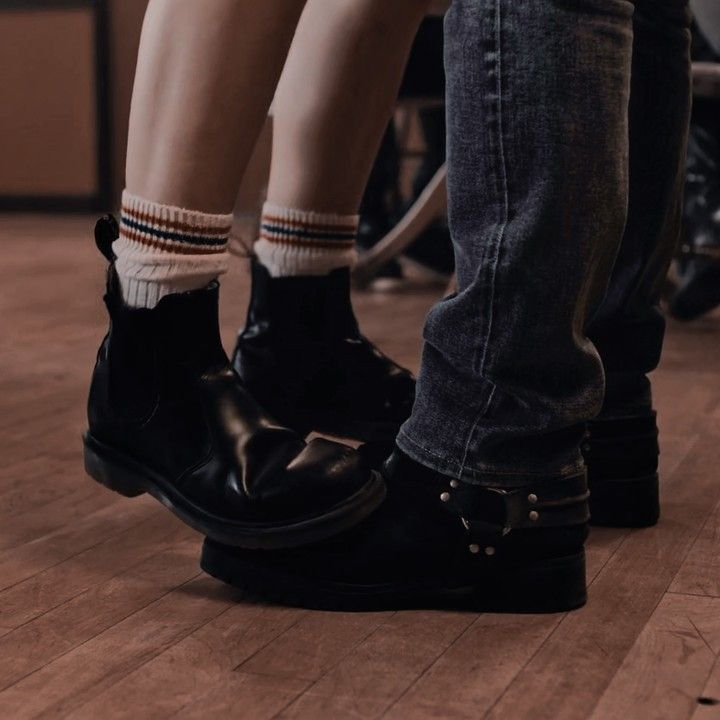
(299, 242)
(164, 250)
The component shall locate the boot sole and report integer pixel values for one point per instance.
(130, 479)
(626, 503)
(554, 585)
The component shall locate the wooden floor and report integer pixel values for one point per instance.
(104, 613)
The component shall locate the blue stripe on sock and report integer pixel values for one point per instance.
(169, 235)
(309, 234)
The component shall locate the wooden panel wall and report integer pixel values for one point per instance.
(47, 102)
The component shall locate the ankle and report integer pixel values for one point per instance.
(297, 242)
(163, 250)
(307, 307)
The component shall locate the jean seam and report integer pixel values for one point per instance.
(443, 460)
(486, 472)
(473, 427)
(483, 471)
(500, 234)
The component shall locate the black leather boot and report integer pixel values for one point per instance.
(434, 542)
(303, 358)
(169, 416)
(621, 455)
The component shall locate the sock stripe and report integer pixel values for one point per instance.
(304, 243)
(163, 249)
(297, 242)
(183, 248)
(185, 228)
(349, 227)
(307, 233)
(160, 234)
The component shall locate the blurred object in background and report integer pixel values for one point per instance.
(707, 16)
(421, 117)
(54, 106)
(697, 269)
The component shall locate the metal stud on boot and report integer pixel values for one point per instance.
(434, 542)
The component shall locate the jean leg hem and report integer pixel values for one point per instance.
(487, 476)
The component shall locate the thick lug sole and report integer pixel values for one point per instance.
(628, 503)
(126, 477)
(554, 585)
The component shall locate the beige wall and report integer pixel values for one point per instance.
(48, 123)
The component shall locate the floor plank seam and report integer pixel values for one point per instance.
(159, 654)
(62, 529)
(98, 634)
(303, 614)
(313, 683)
(687, 593)
(593, 580)
(662, 595)
(170, 647)
(291, 701)
(72, 557)
(430, 666)
(702, 637)
(90, 587)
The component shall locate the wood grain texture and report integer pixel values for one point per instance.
(664, 673)
(103, 612)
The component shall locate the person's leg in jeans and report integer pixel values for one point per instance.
(167, 414)
(621, 450)
(707, 15)
(301, 352)
(487, 494)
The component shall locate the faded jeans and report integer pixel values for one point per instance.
(567, 124)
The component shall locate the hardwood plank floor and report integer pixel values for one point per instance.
(104, 612)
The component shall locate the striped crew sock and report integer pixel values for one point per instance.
(164, 250)
(299, 242)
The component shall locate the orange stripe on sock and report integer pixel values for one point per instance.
(175, 225)
(273, 219)
(169, 246)
(315, 244)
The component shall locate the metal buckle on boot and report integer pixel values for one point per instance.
(484, 535)
(553, 503)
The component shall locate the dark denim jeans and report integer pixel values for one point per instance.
(567, 124)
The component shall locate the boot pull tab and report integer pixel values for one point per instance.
(107, 231)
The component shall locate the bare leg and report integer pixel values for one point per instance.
(166, 414)
(335, 99)
(206, 75)
(301, 352)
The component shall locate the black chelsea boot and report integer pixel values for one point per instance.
(302, 356)
(435, 542)
(169, 416)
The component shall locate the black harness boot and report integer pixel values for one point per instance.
(434, 542)
(621, 455)
(302, 357)
(169, 416)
